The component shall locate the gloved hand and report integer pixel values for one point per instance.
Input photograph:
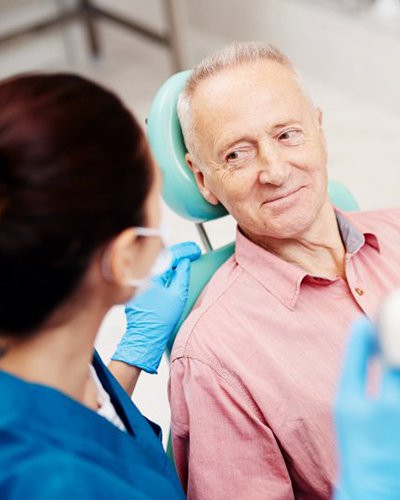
(152, 316)
(367, 427)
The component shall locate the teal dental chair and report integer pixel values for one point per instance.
(180, 190)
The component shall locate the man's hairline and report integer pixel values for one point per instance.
(286, 64)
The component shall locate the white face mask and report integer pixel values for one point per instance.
(162, 263)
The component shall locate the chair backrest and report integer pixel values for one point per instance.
(179, 187)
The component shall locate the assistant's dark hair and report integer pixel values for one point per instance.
(75, 170)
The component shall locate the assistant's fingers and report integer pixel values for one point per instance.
(180, 277)
(163, 279)
(186, 250)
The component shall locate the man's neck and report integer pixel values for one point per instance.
(319, 250)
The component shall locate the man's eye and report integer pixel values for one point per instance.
(238, 156)
(241, 156)
(234, 155)
(290, 136)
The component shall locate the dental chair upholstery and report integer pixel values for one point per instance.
(180, 190)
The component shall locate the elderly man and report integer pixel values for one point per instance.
(255, 365)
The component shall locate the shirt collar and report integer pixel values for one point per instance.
(284, 279)
(354, 234)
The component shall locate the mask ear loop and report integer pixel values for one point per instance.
(105, 270)
(105, 261)
(162, 259)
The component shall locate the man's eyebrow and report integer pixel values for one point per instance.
(283, 124)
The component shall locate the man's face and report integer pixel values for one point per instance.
(262, 149)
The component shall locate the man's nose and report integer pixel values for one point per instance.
(273, 167)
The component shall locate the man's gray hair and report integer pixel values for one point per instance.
(234, 54)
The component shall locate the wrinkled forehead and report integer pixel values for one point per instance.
(260, 83)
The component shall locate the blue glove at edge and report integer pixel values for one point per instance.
(367, 426)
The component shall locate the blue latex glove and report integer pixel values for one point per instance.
(152, 316)
(368, 428)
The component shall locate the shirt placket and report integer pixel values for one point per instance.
(356, 285)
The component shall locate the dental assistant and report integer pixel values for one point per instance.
(79, 233)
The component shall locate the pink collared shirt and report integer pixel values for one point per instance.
(255, 366)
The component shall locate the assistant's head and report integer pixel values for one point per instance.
(76, 177)
(255, 141)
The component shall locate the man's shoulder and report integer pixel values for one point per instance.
(390, 216)
(205, 316)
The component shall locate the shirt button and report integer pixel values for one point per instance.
(359, 291)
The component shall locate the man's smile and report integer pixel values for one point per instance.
(282, 197)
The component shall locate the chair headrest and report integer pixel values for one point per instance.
(180, 191)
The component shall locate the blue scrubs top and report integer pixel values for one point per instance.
(52, 447)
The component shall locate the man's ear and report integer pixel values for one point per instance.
(121, 257)
(200, 180)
